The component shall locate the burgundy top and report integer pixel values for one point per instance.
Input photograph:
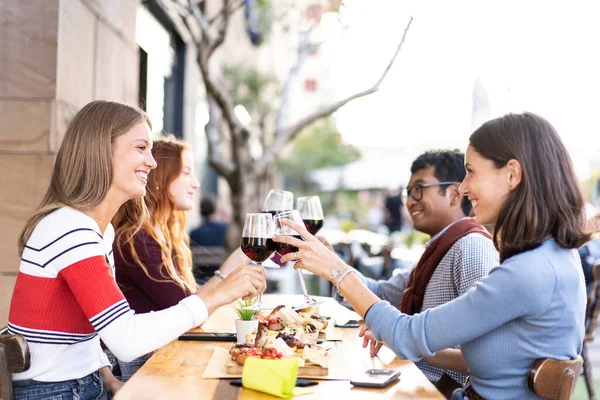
(143, 293)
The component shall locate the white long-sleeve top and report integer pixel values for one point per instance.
(65, 300)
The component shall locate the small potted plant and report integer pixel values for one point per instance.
(246, 322)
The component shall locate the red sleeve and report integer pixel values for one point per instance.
(156, 284)
(94, 288)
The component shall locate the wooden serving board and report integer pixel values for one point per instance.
(307, 370)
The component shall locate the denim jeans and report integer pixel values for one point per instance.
(124, 370)
(87, 388)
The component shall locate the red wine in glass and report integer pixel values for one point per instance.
(284, 248)
(257, 243)
(258, 249)
(311, 213)
(313, 225)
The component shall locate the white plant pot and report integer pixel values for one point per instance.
(244, 327)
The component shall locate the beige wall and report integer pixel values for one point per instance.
(56, 57)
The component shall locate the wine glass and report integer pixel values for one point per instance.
(311, 213)
(278, 201)
(284, 248)
(257, 244)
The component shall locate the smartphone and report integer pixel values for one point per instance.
(376, 378)
(350, 324)
(209, 336)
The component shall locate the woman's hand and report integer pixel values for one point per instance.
(111, 384)
(312, 254)
(368, 337)
(323, 240)
(246, 281)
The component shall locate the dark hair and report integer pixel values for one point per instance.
(449, 166)
(548, 201)
(207, 206)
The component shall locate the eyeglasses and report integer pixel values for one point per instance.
(416, 191)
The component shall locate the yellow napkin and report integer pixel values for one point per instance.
(275, 377)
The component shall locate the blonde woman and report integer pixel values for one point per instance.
(154, 264)
(65, 298)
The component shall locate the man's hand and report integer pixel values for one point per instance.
(368, 336)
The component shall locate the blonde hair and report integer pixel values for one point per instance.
(83, 169)
(175, 250)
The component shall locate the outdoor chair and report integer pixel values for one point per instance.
(14, 357)
(206, 260)
(591, 320)
(554, 379)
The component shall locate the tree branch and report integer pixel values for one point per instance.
(214, 137)
(222, 31)
(221, 97)
(232, 11)
(285, 136)
(207, 37)
(303, 50)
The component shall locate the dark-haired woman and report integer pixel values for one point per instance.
(519, 178)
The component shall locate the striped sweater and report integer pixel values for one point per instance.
(65, 300)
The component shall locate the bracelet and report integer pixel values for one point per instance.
(344, 274)
(220, 275)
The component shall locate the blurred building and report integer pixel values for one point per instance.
(56, 57)
(59, 55)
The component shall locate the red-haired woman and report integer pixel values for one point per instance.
(154, 264)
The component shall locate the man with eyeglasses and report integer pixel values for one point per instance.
(459, 253)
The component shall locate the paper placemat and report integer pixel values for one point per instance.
(345, 363)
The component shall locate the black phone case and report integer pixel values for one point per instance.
(349, 324)
(392, 379)
(209, 337)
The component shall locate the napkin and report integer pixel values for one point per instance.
(275, 377)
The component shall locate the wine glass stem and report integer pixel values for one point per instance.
(259, 296)
(303, 284)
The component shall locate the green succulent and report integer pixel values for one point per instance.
(245, 315)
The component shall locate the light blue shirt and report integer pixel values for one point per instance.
(468, 260)
(531, 306)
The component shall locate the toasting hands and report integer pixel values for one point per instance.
(313, 254)
(246, 281)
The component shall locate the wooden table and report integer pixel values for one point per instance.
(174, 371)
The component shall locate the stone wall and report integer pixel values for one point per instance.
(56, 57)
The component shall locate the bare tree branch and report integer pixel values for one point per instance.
(177, 14)
(205, 50)
(288, 134)
(232, 11)
(222, 31)
(303, 50)
(204, 25)
(214, 137)
(222, 99)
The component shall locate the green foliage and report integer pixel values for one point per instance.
(245, 315)
(265, 18)
(251, 88)
(590, 187)
(415, 237)
(318, 146)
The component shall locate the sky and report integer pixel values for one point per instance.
(539, 56)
